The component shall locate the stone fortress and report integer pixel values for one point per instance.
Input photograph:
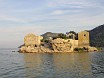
(34, 44)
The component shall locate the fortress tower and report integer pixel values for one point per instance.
(83, 39)
(32, 40)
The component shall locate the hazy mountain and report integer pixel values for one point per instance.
(97, 36)
(49, 34)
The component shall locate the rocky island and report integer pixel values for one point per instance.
(56, 43)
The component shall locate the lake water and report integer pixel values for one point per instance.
(58, 65)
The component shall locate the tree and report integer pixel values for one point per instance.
(63, 36)
(71, 34)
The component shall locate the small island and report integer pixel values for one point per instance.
(57, 43)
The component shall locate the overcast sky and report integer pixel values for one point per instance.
(20, 17)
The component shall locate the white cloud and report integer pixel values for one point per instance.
(64, 2)
(58, 12)
(75, 3)
(10, 18)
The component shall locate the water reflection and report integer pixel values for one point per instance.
(97, 60)
(32, 64)
(57, 65)
(73, 65)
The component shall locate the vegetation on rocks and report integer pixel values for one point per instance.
(79, 49)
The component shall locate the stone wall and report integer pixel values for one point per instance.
(61, 45)
(83, 39)
(32, 40)
(74, 44)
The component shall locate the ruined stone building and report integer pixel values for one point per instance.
(74, 44)
(70, 35)
(83, 39)
(60, 44)
(32, 40)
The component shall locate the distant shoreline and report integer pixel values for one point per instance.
(57, 42)
(61, 52)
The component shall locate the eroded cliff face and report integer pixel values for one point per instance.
(57, 45)
(61, 45)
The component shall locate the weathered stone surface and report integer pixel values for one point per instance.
(23, 49)
(92, 49)
(61, 45)
(57, 45)
(32, 40)
(83, 39)
(40, 49)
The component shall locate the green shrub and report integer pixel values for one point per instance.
(55, 38)
(63, 36)
(99, 48)
(46, 41)
(79, 49)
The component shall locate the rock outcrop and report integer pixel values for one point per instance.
(30, 49)
(61, 45)
(56, 45)
(92, 49)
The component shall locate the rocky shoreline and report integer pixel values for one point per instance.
(53, 46)
(52, 51)
(58, 45)
(61, 44)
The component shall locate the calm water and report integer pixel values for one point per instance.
(72, 65)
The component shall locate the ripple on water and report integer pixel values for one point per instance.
(75, 65)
